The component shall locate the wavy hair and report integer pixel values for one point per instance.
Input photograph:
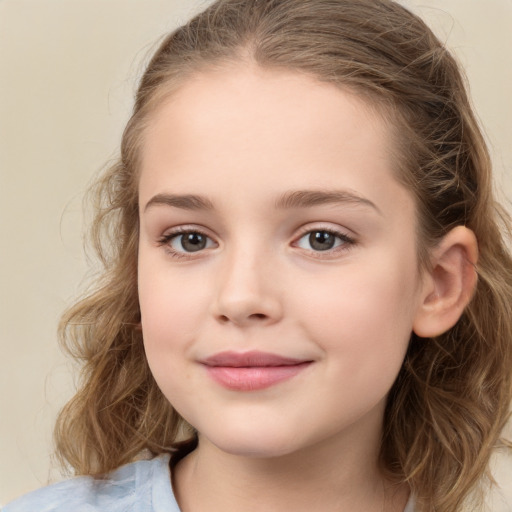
(451, 399)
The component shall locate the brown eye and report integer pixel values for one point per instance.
(321, 240)
(190, 241)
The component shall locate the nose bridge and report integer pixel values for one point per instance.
(246, 290)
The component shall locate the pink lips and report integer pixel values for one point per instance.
(251, 371)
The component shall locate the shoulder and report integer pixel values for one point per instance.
(142, 486)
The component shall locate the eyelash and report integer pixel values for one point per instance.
(165, 241)
(346, 242)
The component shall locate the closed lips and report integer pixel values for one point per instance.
(252, 371)
(251, 359)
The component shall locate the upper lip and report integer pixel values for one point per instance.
(250, 359)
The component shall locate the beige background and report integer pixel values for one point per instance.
(68, 70)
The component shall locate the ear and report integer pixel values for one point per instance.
(449, 284)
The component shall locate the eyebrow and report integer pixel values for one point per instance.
(185, 202)
(309, 198)
(289, 200)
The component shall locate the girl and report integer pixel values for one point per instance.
(306, 296)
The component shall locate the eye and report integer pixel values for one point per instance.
(187, 241)
(319, 240)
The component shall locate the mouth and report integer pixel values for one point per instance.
(252, 371)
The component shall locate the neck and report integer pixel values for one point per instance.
(334, 475)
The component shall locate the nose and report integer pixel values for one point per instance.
(248, 291)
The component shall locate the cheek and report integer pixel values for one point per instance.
(170, 304)
(168, 319)
(168, 323)
(363, 326)
(364, 315)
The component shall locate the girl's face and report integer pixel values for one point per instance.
(278, 272)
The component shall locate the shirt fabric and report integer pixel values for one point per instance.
(142, 486)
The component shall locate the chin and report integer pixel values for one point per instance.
(252, 443)
(256, 451)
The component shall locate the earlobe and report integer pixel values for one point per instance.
(449, 285)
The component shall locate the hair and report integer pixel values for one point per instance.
(450, 401)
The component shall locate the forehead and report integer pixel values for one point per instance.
(245, 127)
(248, 96)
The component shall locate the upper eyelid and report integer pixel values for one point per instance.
(171, 233)
(299, 232)
(337, 233)
(326, 226)
(307, 228)
(178, 230)
(348, 236)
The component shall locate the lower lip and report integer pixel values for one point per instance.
(255, 377)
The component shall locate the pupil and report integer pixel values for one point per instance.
(321, 240)
(193, 242)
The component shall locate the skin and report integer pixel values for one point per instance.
(243, 139)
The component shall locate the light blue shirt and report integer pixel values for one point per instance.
(142, 486)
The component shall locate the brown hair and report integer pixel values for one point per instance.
(451, 399)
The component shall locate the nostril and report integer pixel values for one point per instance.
(258, 316)
(224, 319)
